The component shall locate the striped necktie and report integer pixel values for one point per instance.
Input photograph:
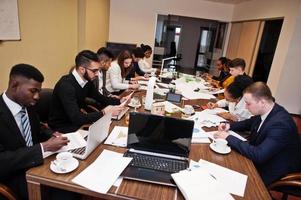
(26, 131)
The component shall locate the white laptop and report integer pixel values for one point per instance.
(97, 133)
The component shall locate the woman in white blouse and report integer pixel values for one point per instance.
(116, 82)
(234, 100)
(143, 64)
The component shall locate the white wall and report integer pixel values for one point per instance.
(289, 90)
(134, 21)
(283, 69)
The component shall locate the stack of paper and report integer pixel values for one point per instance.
(118, 136)
(103, 172)
(198, 184)
(232, 181)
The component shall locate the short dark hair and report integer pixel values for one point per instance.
(238, 62)
(138, 52)
(260, 90)
(103, 51)
(237, 87)
(85, 57)
(27, 71)
(223, 60)
(145, 48)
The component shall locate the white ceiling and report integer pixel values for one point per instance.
(229, 1)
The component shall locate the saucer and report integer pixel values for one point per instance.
(134, 106)
(72, 165)
(228, 149)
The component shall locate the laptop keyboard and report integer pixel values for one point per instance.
(156, 163)
(81, 150)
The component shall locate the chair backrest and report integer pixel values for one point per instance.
(6, 192)
(43, 105)
(297, 119)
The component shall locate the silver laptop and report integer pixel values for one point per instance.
(97, 133)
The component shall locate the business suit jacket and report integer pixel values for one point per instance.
(275, 149)
(15, 156)
(68, 98)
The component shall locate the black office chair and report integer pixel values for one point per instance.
(43, 105)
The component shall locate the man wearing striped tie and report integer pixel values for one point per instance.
(22, 144)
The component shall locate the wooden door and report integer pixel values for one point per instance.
(244, 42)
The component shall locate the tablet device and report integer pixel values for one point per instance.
(173, 97)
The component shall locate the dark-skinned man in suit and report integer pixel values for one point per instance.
(22, 144)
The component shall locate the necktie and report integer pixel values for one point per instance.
(254, 132)
(105, 92)
(26, 131)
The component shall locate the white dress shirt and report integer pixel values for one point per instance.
(145, 66)
(263, 117)
(79, 79)
(115, 82)
(15, 109)
(237, 109)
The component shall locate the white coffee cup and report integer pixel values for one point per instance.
(135, 101)
(188, 109)
(63, 158)
(220, 144)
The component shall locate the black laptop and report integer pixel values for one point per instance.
(159, 146)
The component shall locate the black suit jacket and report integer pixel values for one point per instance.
(68, 98)
(15, 156)
(275, 149)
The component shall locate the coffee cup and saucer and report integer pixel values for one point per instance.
(220, 146)
(64, 163)
(135, 102)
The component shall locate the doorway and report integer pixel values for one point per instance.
(267, 49)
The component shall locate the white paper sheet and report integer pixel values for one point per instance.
(76, 141)
(232, 181)
(215, 111)
(198, 184)
(171, 108)
(203, 118)
(103, 172)
(200, 141)
(118, 136)
(211, 133)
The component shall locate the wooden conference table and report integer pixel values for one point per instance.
(40, 178)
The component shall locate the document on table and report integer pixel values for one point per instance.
(199, 135)
(211, 133)
(203, 118)
(198, 184)
(103, 172)
(76, 140)
(215, 111)
(171, 108)
(118, 136)
(232, 181)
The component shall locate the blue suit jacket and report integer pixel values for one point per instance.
(275, 149)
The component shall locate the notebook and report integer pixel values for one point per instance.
(98, 131)
(159, 146)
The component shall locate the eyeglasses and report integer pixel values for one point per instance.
(95, 71)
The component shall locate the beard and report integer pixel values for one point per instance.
(86, 76)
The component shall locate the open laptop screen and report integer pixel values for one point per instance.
(160, 134)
